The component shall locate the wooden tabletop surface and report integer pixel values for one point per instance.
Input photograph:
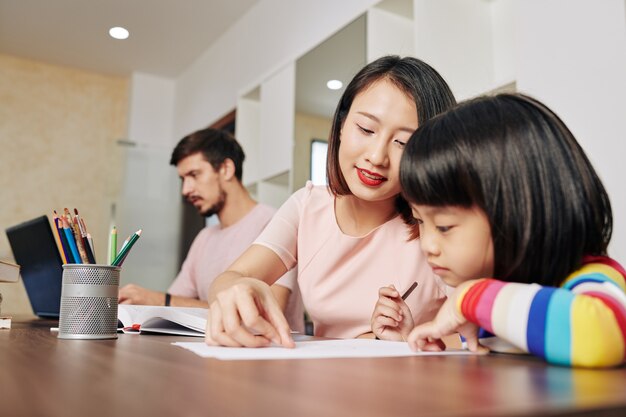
(144, 375)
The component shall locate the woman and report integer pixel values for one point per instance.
(347, 239)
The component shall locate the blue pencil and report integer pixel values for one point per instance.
(64, 245)
(70, 240)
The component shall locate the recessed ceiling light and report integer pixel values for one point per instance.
(334, 84)
(118, 32)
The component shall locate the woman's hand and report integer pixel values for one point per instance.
(391, 319)
(247, 314)
(449, 320)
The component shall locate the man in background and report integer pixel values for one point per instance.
(209, 163)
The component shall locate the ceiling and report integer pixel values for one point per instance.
(166, 36)
(337, 58)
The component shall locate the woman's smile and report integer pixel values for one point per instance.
(369, 178)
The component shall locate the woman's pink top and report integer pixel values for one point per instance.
(339, 275)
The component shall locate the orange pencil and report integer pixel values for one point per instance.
(57, 237)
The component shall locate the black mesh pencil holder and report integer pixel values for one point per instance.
(89, 301)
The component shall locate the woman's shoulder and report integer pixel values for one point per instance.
(311, 194)
(308, 199)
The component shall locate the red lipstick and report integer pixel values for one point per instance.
(371, 179)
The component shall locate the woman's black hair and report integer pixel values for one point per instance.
(516, 160)
(416, 79)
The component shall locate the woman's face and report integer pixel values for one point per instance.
(378, 125)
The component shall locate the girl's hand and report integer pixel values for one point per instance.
(448, 321)
(391, 319)
(247, 314)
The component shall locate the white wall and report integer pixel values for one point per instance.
(151, 198)
(272, 34)
(151, 110)
(247, 121)
(503, 42)
(276, 125)
(455, 37)
(572, 56)
(388, 33)
(151, 202)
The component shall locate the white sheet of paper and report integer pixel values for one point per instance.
(315, 349)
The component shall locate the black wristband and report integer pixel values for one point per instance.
(168, 299)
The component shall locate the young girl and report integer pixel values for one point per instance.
(500, 188)
(347, 239)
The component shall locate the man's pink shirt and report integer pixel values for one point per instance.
(215, 248)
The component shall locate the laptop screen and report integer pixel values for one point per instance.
(35, 250)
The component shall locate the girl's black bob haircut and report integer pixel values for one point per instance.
(516, 160)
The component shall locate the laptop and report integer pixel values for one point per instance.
(36, 251)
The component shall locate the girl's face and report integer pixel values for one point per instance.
(456, 241)
(378, 125)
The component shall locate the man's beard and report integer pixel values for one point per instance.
(217, 207)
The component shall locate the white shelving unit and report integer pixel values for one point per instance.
(265, 125)
(470, 42)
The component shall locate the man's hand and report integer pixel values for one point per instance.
(134, 294)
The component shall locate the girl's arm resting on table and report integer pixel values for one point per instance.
(243, 309)
(430, 336)
(583, 324)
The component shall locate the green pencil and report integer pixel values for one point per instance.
(124, 251)
(113, 245)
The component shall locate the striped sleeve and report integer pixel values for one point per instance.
(582, 323)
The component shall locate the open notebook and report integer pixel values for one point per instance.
(183, 321)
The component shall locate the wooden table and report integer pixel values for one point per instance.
(143, 375)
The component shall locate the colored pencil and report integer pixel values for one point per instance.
(83, 237)
(409, 291)
(73, 223)
(88, 235)
(70, 240)
(124, 251)
(112, 245)
(68, 251)
(123, 245)
(90, 242)
(57, 238)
